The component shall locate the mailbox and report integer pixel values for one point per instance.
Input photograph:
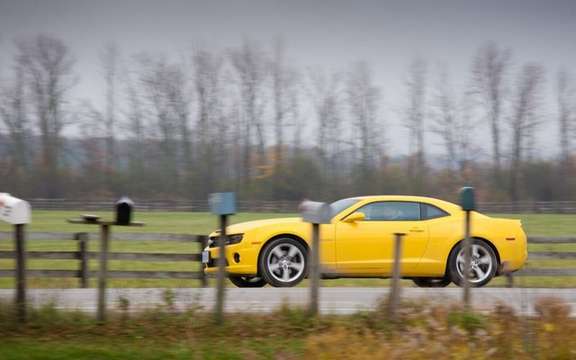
(315, 212)
(467, 201)
(124, 208)
(223, 203)
(13, 210)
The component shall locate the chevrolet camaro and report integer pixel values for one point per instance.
(359, 243)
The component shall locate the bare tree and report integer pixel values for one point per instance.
(363, 97)
(326, 101)
(452, 123)
(523, 121)
(566, 97)
(414, 121)
(211, 129)
(15, 120)
(92, 157)
(134, 126)
(48, 70)
(285, 106)
(109, 59)
(249, 64)
(164, 86)
(284, 81)
(489, 69)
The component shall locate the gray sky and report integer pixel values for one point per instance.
(388, 34)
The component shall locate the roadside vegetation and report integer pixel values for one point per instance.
(422, 331)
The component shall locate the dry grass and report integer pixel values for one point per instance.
(422, 331)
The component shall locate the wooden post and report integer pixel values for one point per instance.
(396, 271)
(314, 260)
(203, 239)
(218, 314)
(508, 274)
(467, 260)
(82, 239)
(103, 271)
(20, 246)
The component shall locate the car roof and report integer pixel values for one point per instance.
(446, 205)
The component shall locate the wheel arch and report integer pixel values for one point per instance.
(488, 242)
(279, 236)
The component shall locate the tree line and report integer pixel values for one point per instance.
(248, 119)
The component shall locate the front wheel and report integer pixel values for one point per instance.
(283, 262)
(247, 281)
(483, 264)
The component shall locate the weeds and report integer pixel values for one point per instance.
(423, 331)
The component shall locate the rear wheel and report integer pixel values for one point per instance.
(483, 264)
(432, 282)
(247, 281)
(284, 262)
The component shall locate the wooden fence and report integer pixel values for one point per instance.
(83, 255)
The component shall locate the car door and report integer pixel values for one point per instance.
(366, 247)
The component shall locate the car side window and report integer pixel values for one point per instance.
(391, 211)
(432, 212)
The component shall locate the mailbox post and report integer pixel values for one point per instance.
(394, 296)
(315, 213)
(17, 213)
(222, 204)
(123, 217)
(468, 204)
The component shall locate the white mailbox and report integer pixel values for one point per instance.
(13, 210)
(316, 212)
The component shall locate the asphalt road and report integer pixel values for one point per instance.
(346, 300)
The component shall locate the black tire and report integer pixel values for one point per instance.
(248, 281)
(282, 246)
(432, 282)
(486, 253)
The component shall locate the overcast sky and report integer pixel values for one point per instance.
(329, 33)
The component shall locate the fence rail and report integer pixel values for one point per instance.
(6, 235)
(545, 207)
(83, 255)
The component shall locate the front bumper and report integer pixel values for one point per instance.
(241, 259)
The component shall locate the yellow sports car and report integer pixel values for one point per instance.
(359, 243)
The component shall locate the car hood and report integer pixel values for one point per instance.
(249, 225)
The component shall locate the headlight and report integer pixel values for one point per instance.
(234, 238)
(231, 239)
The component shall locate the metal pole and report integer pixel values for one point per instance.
(20, 245)
(103, 271)
(467, 260)
(314, 269)
(221, 270)
(395, 285)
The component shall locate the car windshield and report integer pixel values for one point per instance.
(341, 205)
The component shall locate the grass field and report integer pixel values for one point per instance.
(203, 223)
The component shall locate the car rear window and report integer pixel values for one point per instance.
(432, 212)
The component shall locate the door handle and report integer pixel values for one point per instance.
(417, 230)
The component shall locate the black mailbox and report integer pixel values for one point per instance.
(124, 208)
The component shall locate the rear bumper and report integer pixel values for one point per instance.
(514, 253)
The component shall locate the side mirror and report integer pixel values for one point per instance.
(357, 216)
